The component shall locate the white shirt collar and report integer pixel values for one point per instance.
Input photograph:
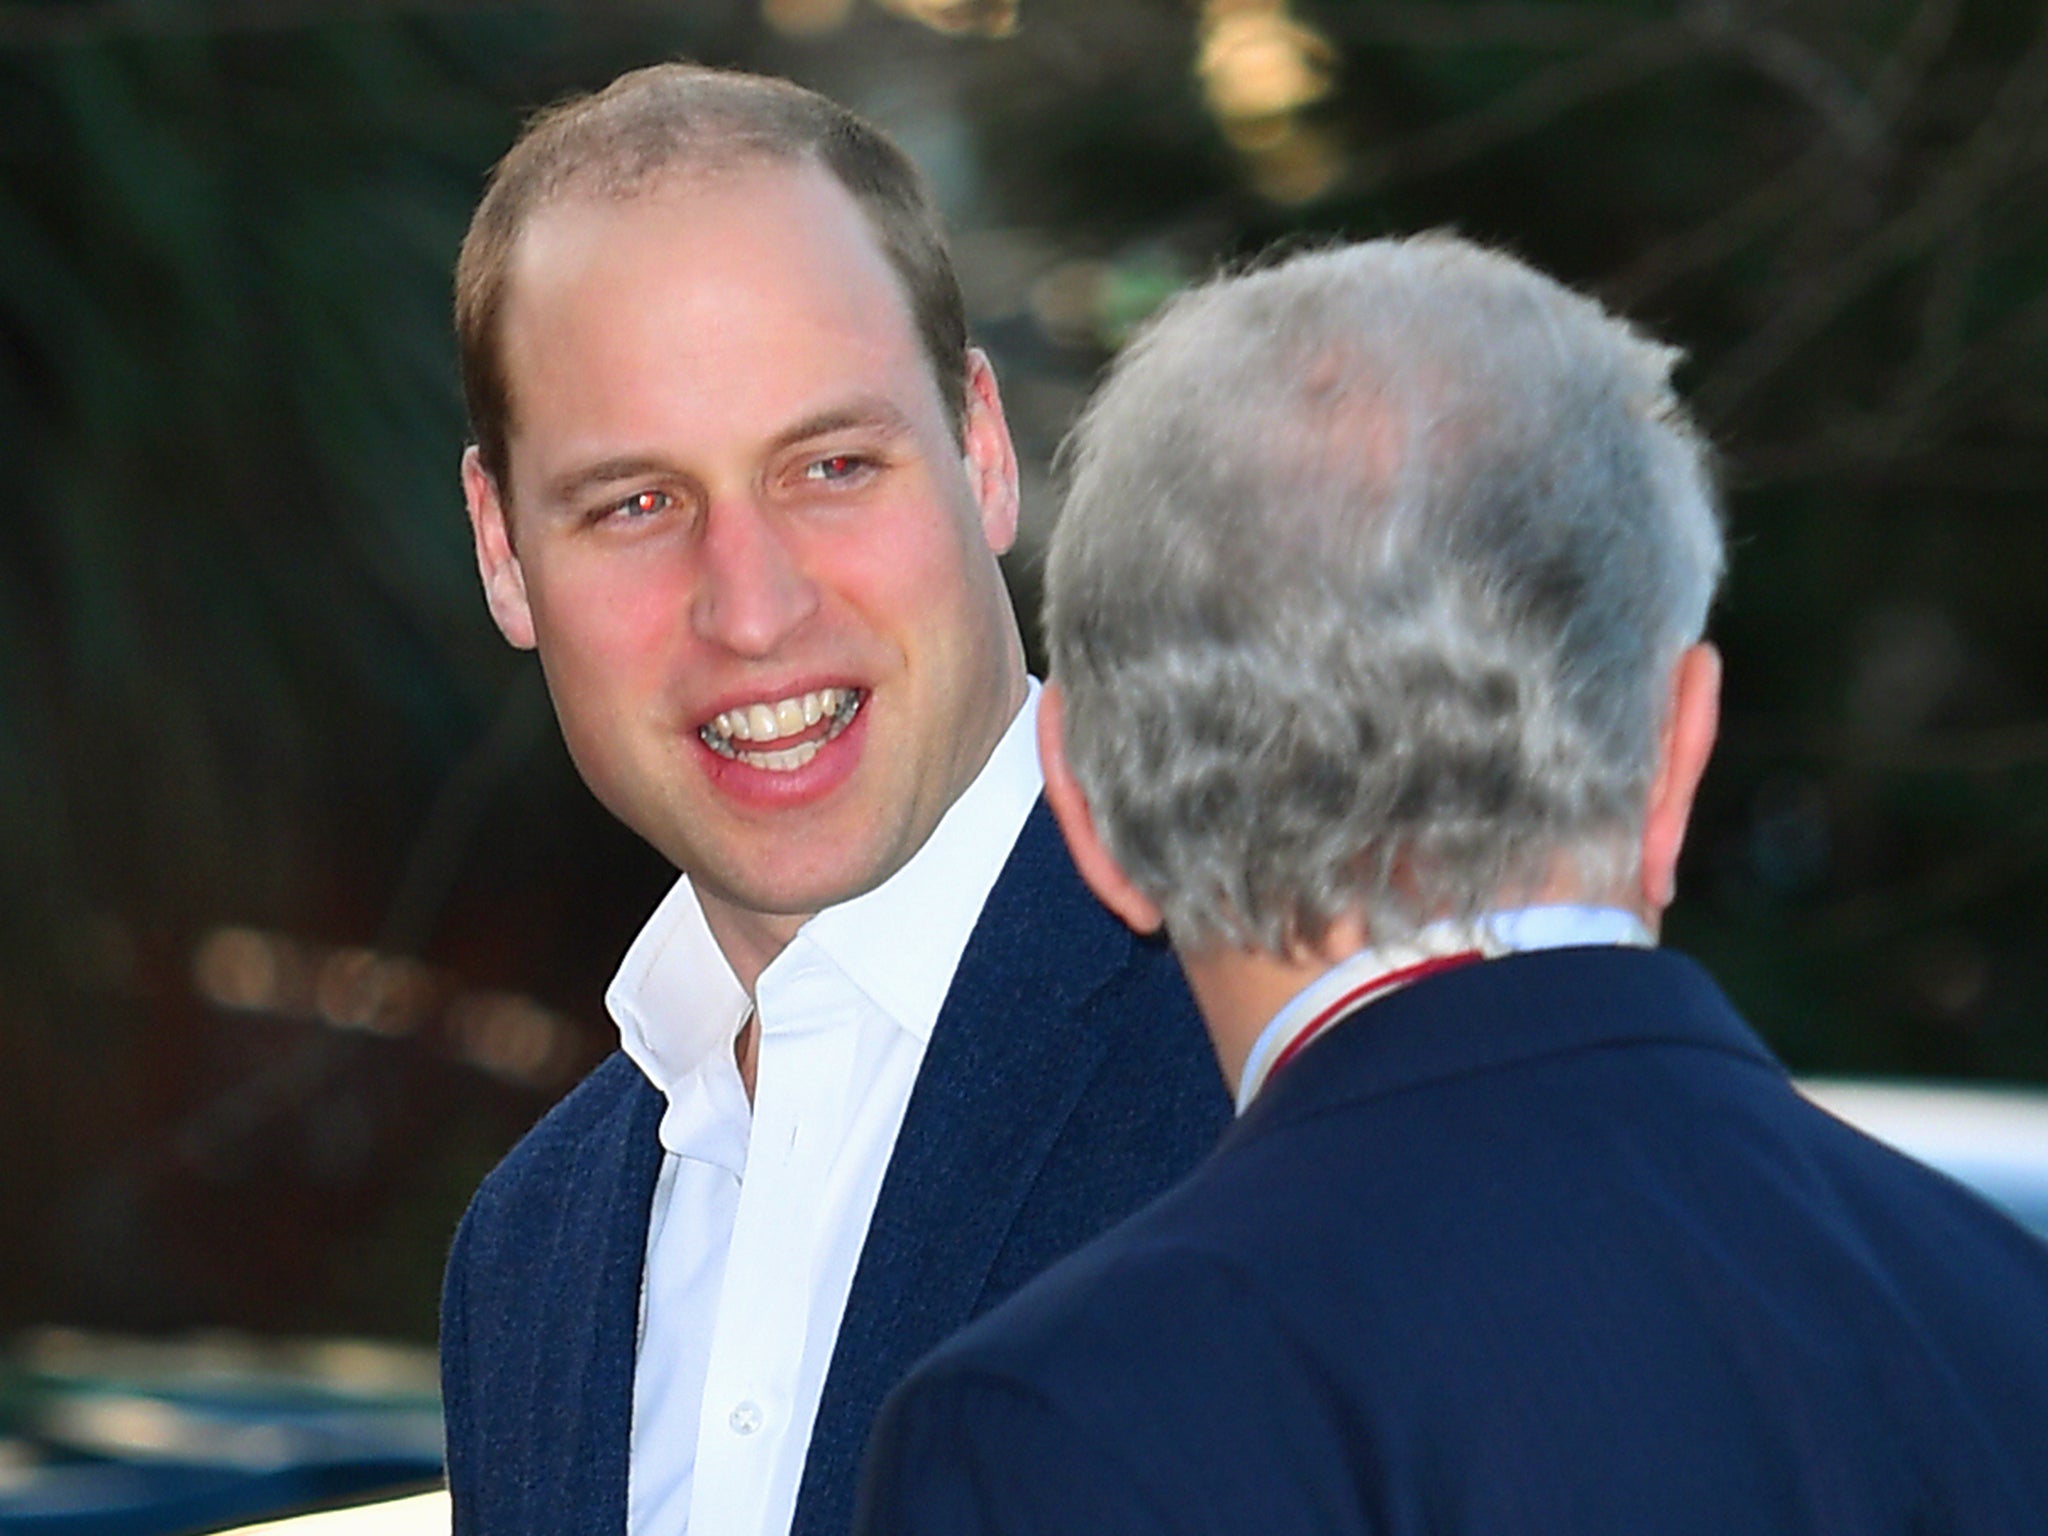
(675, 997)
(1497, 933)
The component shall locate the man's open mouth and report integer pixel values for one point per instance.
(783, 734)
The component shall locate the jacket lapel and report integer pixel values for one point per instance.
(588, 1325)
(1008, 1058)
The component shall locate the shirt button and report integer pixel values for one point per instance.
(745, 1418)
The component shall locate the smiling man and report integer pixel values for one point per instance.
(741, 482)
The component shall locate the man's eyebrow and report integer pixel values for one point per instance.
(867, 411)
(870, 411)
(578, 483)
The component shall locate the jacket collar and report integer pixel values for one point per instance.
(1501, 1012)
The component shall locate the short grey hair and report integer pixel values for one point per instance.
(1371, 571)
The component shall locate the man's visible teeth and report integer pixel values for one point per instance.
(761, 723)
(783, 761)
(784, 717)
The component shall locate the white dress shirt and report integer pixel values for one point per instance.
(759, 1214)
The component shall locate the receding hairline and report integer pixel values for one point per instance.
(680, 183)
(706, 164)
(629, 143)
(601, 185)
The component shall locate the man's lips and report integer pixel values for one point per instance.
(782, 735)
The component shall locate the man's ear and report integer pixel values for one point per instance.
(1104, 876)
(497, 562)
(1692, 714)
(991, 457)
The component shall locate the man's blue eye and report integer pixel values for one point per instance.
(645, 504)
(836, 467)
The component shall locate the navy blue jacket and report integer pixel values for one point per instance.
(1545, 1246)
(1067, 1082)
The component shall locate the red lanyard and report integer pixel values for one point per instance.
(1359, 996)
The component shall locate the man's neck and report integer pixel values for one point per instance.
(1238, 991)
(750, 941)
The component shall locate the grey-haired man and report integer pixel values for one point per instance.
(1375, 621)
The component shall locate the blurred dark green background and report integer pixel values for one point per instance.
(306, 915)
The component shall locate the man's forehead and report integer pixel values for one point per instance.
(587, 212)
(777, 238)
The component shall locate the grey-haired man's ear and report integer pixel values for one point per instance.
(1692, 714)
(1069, 802)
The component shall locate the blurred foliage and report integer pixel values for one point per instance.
(1837, 208)
(243, 673)
(245, 679)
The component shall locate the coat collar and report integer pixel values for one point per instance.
(1501, 1012)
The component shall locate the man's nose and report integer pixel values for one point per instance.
(753, 592)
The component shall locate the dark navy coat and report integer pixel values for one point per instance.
(1067, 1082)
(1546, 1246)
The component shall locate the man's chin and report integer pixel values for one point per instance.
(761, 890)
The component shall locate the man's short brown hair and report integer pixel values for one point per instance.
(653, 122)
